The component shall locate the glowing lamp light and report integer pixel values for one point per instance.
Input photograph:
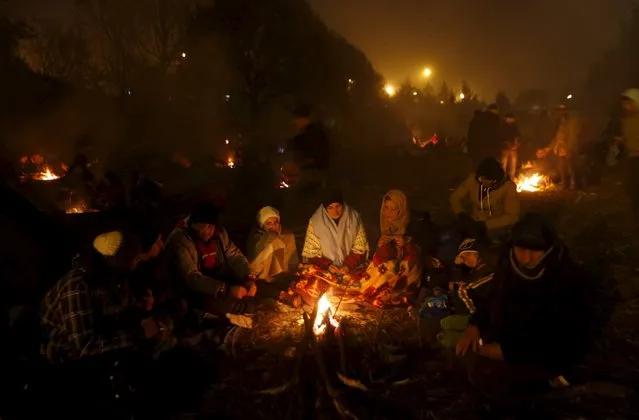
(461, 96)
(390, 90)
(569, 96)
(226, 141)
(183, 55)
(427, 72)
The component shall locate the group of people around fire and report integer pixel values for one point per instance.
(512, 303)
(520, 318)
(490, 135)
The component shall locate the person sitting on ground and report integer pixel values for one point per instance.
(211, 271)
(81, 312)
(494, 201)
(272, 253)
(469, 287)
(396, 268)
(335, 237)
(535, 325)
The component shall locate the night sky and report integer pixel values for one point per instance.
(495, 44)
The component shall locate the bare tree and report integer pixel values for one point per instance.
(130, 35)
(59, 52)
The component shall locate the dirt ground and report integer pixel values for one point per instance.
(422, 382)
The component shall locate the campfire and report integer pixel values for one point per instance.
(46, 174)
(529, 181)
(324, 316)
(80, 207)
(230, 162)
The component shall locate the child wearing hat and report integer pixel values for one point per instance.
(466, 291)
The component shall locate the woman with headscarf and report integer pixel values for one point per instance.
(272, 253)
(396, 268)
(335, 237)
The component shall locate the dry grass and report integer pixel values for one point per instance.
(422, 383)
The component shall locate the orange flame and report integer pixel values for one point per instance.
(45, 175)
(534, 182)
(324, 312)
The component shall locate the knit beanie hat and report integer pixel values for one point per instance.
(266, 213)
(468, 245)
(533, 233)
(632, 94)
(117, 247)
(108, 243)
(204, 212)
(490, 169)
(333, 196)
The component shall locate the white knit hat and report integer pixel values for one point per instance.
(266, 213)
(632, 94)
(108, 243)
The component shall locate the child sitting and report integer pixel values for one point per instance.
(465, 292)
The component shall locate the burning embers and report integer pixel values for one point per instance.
(80, 207)
(529, 181)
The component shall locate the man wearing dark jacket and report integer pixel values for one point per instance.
(484, 135)
(535, 325)
(310, 148)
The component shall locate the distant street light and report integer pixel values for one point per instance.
(461, 96)
(390, 90)
(183, 55)
(427, 72)
(415, 93)
(569, 96)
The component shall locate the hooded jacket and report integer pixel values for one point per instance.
(630, 125)
(539, 318)
(497, 206)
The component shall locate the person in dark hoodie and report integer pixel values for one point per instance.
(495, 205)
(534, 326)
(310, 148)
(474, 137)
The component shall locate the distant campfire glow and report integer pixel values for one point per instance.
(79, 208)
(230, 162)
(324, 313)
(284, 185)
(45, 175)
(534, 182)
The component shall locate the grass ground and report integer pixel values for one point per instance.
(596, 226)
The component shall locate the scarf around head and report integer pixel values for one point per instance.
(399, 225)
(336, 239)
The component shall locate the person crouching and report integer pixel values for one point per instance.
(212, 272)
(272, 253)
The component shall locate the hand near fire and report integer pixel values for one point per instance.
(492, 351)
(153, 328)
(333, 269)
(398, 239)
(470, 339)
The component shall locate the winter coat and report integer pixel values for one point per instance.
(186, 262)
(541, 319)
(498, 206)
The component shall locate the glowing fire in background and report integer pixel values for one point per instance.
(230, 162)
(46, 174)
(80, 207)
(324, 313)
(283, 184)
(534, 182)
